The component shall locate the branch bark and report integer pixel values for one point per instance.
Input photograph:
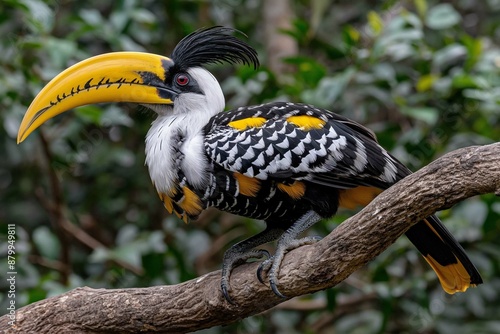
(198, 303)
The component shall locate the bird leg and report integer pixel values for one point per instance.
(287, 242)
(243, 251)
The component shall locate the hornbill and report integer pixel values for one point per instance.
(288, 164)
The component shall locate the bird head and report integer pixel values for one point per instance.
(175, 84)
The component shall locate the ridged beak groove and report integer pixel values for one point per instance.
(112, 77)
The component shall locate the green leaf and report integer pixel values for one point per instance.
(449, 55)
(46, 242)
(129, 253)
(40, 16)
(92, 17)
(474, 50)
(426, 114)
(143, 16)
(425, 82)
(464, 81)
(442, 16)
(309, 69)
(90, 114)
(330, 88)
(375, 22)
(421, 6)
(350, 35)
(114, 115)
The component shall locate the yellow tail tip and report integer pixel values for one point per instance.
(453, 277)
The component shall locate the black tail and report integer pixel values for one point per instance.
(445, 255)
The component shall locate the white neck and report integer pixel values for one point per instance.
(185, 121)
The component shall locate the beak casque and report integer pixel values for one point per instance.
(113, 77)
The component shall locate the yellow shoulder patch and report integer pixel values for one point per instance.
(245, 123)
(248, 186)
(359, 196)
(295, 190)
(306, 123)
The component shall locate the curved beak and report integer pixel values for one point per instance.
(113, 77)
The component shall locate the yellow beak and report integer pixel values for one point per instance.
(112, 77)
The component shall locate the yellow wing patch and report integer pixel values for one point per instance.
(306, 123)
(359, 196)
(248, 186)
(295, 190)
(245, 123)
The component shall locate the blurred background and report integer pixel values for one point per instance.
(424, 75)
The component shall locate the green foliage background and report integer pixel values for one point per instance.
(426, 80)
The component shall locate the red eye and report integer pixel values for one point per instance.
(182, 79)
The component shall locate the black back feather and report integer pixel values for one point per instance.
(213, 45)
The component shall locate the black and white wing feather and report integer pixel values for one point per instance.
(300, 142)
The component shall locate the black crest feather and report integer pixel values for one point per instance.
(213, 45)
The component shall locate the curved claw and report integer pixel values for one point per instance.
(264, 266)
(288, 240)
(230, 261)
(224, 286)
(272, 265)
(272, 283)
(274, 271)
(269, 265)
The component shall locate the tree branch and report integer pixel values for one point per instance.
(198, 303)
